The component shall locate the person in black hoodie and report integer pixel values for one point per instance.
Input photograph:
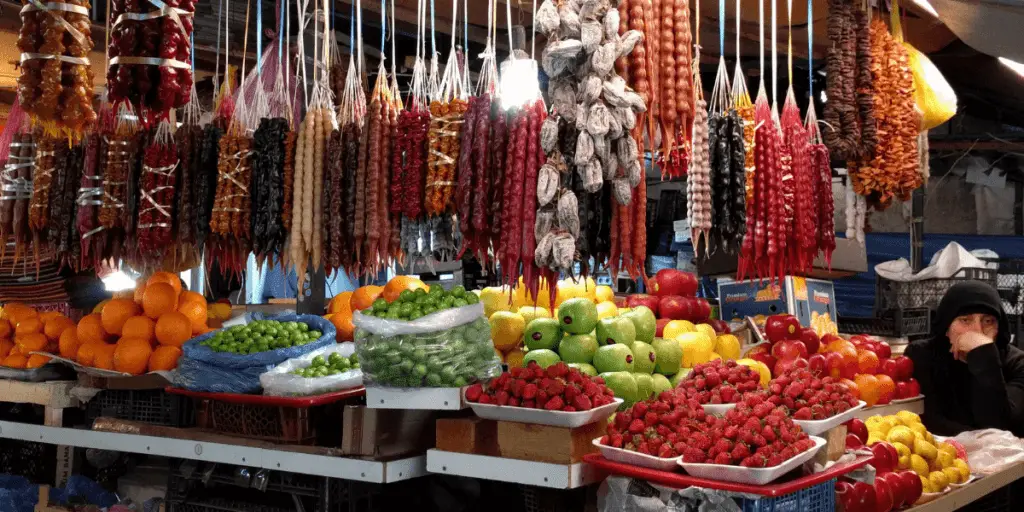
(971, 377)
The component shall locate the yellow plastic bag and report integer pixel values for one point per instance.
(932, 93)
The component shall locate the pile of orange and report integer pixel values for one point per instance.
(340, 308)
(23, 330)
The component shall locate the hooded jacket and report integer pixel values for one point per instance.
(985, 392)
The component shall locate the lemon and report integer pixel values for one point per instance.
(727, 346)
(676, 327)
(530, 312)
(605, 294)
(963, 468)
(606, 310)
(707, 330)
(872, 439)
(928, 437)
(886, 424)
(925, 449)
(908, 418)
(697, 348)
(944, 459)
(939, 480)
(514, 358)
(953, 475)
(715, 356)
(926, 486)
(919, 429)
(903, 455)
(903, 462)
(919, 465)
(873, 422)
(947, 448)
(900, 434)
(495, 298)
(507, 330)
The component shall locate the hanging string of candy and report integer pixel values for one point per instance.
(15, 193)
(819, 159)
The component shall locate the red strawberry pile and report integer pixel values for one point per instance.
(719, 382)
(809, 397)
(557, 388)
(660, 426)
(754, 434)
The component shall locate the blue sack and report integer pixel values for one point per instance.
(203, 369)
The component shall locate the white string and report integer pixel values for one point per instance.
(455, 17)
(775, 55)
(508, 26)
(737, 33)
(760, 17)
(359, 36)
(533, 33)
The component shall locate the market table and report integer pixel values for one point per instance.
(974, 491)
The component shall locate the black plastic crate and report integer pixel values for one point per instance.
(893, 295)
(35, 461)
(153, 406)
(902, 323)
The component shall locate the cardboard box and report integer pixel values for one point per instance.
(467, 435)
(545, 443)
(811, 301)
(384, 433)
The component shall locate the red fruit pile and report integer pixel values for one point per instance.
(557, 388)
(660, 426)
(810, 397)
(720, 382)
(754, 434)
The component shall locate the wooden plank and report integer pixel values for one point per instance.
(968, 494)
(467, 435)
(55, 394)
(543, 443)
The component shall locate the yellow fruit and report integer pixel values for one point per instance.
(926, 485)
(507, 330)
(925, 449)
(919, 429)
(939, 480)
(908, 418)
(919, 465)
(903, 453)
(873, 422)
(953, 475)
(762, 369)
(902, 435)
(697, 348)
(928, 437)
(530, 312)
(944, 460)
(946, 448)
(903, 462)
(674, 328)
(728, 346)
(588, 289)
(715, 356)
(872, 439)
(605, 294)
(495, 298)
(606, 310)
(963, 468)
(886, 424)
(514, 358)
(707, 330)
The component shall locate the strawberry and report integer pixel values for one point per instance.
(723, 445)
(616, 440)
(622, 420)
(486, 399)
(501, 398)
(542, 396)
(581, 402)
(769, 434)
(636, 426)
(803, 414)
(740, 452)
(732, 432)
(762, 410)
(723, 458)
(513, 402)
(555, 387)
(775, 460)
(753, 461)
(694, 456)
(473, 392)
(529, 404)
(568, 408)
(640, 409)
(529, 391)
(651, 418)
(559, 369)
(665, 451)
(644, 448)
(554, 404)
(759, 440)
(571, 391)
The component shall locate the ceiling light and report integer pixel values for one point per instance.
(118, 281)
(1012, 64)
(926, 5)
(519, 84)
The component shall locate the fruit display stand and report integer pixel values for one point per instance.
(977, 492)
(437, 399)
(914, 405)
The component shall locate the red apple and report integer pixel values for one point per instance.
(911, 486)
(858, 339)
(883, 496)
(882, 350)
(793, 327)
(889, 368)
(781, 327)
(764, 357)
(810, 339)
(913, 388)
(853, 442)
(701, 310)
(670, 281)
(834, 363)
(788, 349)
(901, 390)
(675, 307)
(845, 496)
(642, 299)
(858, 428)
(886, 457)
(864, 497)
(721, 326)
(904, 367)
(784, 365)
(817, 364)
(660, 326)
(896, 488)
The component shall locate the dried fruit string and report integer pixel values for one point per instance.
(16, 191)
(157, 196)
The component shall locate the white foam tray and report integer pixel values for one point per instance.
(815, 427)
(751, 476)
(635, 458)
(717, 409)
(907, 400)
(543, 417)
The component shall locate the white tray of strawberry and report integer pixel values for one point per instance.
(719, 385)
(817, 404)
(653, 433)
(558, 396)
(754, 443)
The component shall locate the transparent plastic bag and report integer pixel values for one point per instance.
(450, 348)
(280, 381)
(991, 450)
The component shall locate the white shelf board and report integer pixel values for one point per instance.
(914, 406)
(541, 474)
(434, 399)
(296, 462)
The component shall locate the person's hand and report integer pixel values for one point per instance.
(967, 342)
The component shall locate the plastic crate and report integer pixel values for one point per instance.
(893, 295)
(909, 323)
(34, 461)
(288, 425)
(153, 406)
(816, 498)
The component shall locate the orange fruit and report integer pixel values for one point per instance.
(164, 358)
(398, 284)
(90, 329)
(5, 328)
(173, 329)
(5, 348)
(867, 362)
(159, 298)
(68, 344)
(343, 324)
(364, 296)
(46, 316)
(36, 360)
(15, 361)
(139, 327)
(124, 294)
(140, 290)
(116, 313)
(53, 328)
(17, 312)
(86, 353)
(28, 326)
(195, 311)
(189, 296)
(104, 359)
(886, 388)
(32, 342)
(340, 303)
(869, 388)
(852, 386)
(165, 277)
(131, 355)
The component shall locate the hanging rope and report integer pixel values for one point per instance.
(810, 51)
(259, 36)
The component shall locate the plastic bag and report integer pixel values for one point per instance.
(990, 450)
(450, 348)
(203, 369)
(622, 493)
(279, 381)
(932, 92)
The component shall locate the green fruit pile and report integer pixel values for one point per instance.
(450, 358)
(261, 336)
(333, 365)
(411, 305)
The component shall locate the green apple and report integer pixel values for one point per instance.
(585, 369)
(542, 356)
(644, 385)
(644, 322)
(578, 315)
(644, 358)
(661, 383)
(578, 348)
(669, 356)
(616, 330)
(677, 378)
(542, 333)
(623, 384)
(613, 358)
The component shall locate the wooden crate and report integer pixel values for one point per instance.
(54, 396)
(512, 440)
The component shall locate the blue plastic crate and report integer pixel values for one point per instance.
(817, 498)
